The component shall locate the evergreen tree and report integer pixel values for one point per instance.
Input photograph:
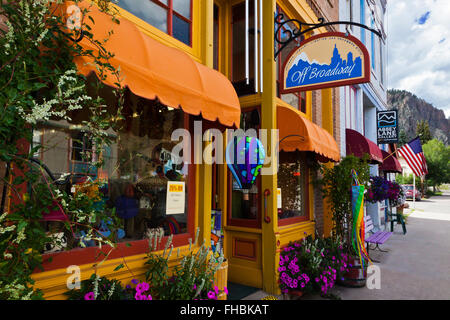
(402, 138)
(423, 131)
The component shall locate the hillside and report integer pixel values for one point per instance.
(412, 109)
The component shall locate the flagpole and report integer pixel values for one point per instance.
(414, 191)
(390, 155)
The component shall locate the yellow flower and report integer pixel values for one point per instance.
(28, 251)
(269, 298)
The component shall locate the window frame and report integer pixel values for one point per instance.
(248, 223)
(301, 95)
(170, 14)
(89, 255)
(307, 216)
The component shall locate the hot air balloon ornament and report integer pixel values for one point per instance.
(245, 157)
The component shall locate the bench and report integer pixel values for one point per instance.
(377, 238)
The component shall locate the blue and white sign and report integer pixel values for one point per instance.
(387, 126)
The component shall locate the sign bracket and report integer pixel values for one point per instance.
(307, 27)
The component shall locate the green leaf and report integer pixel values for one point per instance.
(120, 266)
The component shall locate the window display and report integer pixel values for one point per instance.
(292, 177)
(139, 171)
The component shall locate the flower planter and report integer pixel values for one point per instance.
(293, 294)
(221, 279)
(356, 276)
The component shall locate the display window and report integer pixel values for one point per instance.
(141, 181)
(244, 204)
(292, 193)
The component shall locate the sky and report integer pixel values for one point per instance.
(419, 49)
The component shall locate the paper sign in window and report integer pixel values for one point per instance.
(176, 197)
(279, 198)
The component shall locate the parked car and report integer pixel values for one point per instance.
(409, 189)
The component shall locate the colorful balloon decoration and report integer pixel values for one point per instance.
(245, 158)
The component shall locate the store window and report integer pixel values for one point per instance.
(298, 99)
(238, 76)
(173, 17)
(140, 173)
(245, 203)
(292, 184)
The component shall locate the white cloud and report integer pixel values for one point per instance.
(419, 54)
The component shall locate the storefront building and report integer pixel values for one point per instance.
(185, 61)
(360, 103)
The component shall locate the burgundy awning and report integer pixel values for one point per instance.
(391, 164)
(358, 145)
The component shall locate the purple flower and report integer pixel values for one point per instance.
(89, 296)
(134, 281)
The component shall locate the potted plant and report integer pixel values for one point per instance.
(336, 184)
(311, 266)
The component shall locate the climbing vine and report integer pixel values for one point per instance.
(39, 82)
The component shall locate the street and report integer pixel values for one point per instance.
(417, 265)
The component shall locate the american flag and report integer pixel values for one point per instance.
(413, 154)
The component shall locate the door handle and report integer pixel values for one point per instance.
(266, 194)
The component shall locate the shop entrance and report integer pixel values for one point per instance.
(243, 232)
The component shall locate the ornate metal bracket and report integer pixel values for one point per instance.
(305, 28)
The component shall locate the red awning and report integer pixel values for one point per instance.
(358, 145)
(390, 164)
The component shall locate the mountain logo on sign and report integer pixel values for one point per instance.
(387, 119)
(307, 72)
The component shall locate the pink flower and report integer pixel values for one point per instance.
(89, 296)
(138, 296)
(145, 286)
(225, 289)
(212, 295)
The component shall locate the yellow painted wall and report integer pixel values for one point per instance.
(261, 272)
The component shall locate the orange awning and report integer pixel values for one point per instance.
(298, 133)
(152, 70)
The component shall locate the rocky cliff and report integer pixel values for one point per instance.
(412, 109)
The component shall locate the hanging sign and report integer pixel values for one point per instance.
(175, 200)
(325, 61)
(387, 126)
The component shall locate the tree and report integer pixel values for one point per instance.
(423, 131)
(437, 156)
(402, 138)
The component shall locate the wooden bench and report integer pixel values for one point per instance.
(377, 238)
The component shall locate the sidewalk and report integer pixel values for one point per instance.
(417, 265)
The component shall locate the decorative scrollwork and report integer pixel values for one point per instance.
(303, 28)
